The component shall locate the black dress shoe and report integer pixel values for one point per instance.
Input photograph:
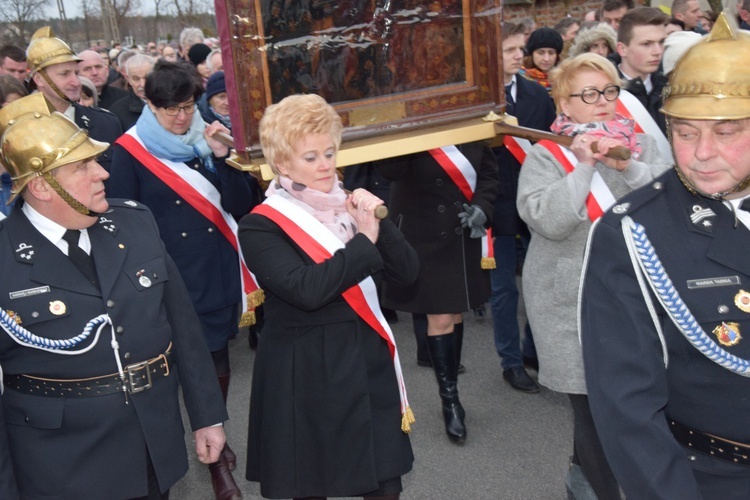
(520, 380)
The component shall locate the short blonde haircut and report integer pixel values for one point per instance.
(561, 77)
(292, 119)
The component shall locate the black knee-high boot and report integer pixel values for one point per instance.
(458, 330)
(442, 349)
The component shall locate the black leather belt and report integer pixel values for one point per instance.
(713, 446)
(138, 377)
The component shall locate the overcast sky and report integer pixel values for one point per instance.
(73, 8)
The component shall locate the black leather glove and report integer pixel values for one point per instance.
(473, 218)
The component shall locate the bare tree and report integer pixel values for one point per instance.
(89, 11)
(19, 16)
(188, 12)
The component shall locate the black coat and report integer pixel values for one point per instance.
(425, 204)
(95, 447)
(533, 109)
(325, 411)
(101, 126)
(652, 101)
(128, 109)
(631, 392)
(207, 261)
(110, 95)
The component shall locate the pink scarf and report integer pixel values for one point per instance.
(620, 128)
(328, 208)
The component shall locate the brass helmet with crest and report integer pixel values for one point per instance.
(711, 81)
(45, 49)
(35, 139)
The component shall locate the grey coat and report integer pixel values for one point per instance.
(552, 272)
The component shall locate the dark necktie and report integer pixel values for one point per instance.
(510, 104)
(81, 259)
(745, 205)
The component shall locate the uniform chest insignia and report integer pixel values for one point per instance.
(144, 280)
(57, 307)
(130, 203)
(742, 301)
(25, 252)
(86, 121)
(728, 334)
(702, 217)
(622, 208)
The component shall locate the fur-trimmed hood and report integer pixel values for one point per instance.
(586, 37)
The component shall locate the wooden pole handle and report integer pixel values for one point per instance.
(616, 153)
(381, 211)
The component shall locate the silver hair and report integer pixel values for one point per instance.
(139, 60)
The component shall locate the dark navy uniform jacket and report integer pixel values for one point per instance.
(632, 393)
(102, 126)
(96, 447)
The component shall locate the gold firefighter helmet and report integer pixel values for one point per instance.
(35, 139)
(712, 79)
(45, 49)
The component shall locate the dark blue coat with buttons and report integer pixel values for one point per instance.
(63, 448)
(633, 395)
(425, 204)
(206, 260)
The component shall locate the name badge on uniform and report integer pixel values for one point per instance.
(713, 282)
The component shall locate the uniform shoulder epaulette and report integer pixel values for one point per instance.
(124, 203)
(102, 110)
(631, 202)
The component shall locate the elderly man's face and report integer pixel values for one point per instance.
(712, 154)
(137, 78)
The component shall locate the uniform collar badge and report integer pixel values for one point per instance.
(728, 334)
(702, 217)
(25, 253)
(107, 224)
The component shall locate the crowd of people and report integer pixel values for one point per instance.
(121, 218)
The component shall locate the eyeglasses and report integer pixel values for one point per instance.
(189, 109)
(590, 95)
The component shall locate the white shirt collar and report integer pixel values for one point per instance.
(646, 82)
(513, 87)
(70, 112)
(53, 231)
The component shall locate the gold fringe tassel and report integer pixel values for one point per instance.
(254, 299)
(488, 263)
(247, 318)
(406, 420)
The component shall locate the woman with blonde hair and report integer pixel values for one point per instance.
(328, 410)
(561, 192)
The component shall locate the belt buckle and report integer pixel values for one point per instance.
(133, 371)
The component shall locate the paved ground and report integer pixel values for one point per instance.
(517, 447)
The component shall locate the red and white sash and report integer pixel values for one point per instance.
(191, 186)
(518, 147)
(319, 243)
(462, 173)
(629, 106)
(600, 198)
